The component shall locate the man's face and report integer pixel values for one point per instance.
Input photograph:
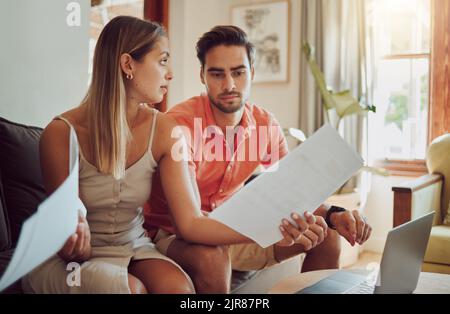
(227, 75)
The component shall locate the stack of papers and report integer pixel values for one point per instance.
(44, 233)
(300, 182)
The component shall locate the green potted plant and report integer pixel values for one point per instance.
(343, 104)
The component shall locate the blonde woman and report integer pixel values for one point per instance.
(122, 141)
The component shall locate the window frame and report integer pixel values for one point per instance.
(439, 88)
(439, 118)
(158, 11)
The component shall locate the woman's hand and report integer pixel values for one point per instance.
(310, 232)
(78, 247)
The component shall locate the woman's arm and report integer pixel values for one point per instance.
(54, 155)
(194, 185)
(54, 159)
(180, 193)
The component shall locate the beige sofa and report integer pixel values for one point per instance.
(425, 194)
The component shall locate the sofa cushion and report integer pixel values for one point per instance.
(5, 257)
(438, 250)
(5, 240)
(20, 170)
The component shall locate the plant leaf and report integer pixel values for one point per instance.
(318, 77)
(346, 104)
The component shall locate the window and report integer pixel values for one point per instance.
(402, 32)
(105, 11)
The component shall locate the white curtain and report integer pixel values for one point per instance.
(341, 34)
(311, 110)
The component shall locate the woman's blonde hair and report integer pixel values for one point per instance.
(106, 98)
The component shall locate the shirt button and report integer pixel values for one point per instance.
(221, 191)
(213, 205)
(229, 168)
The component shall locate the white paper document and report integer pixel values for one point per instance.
(304, 179)
(46, 231)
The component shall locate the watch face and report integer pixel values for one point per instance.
(333, 209)
(337, 209)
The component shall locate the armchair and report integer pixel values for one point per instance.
(428, 193)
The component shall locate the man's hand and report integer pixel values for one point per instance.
(309, 233)
(78, 247)
(352, 226)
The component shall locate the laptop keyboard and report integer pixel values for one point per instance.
(366, 287)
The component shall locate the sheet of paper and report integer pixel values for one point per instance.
(304, 179)
(45, 232)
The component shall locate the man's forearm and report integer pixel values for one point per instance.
(282, 253)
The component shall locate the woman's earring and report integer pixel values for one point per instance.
(130, 76)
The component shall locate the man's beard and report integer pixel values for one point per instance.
(227, 108)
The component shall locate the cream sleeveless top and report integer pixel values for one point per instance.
(114, 214)
(115, 206)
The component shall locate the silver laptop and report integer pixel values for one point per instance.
(400, 265)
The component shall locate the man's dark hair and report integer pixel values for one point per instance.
(227, 35)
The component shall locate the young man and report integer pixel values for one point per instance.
(229, 140)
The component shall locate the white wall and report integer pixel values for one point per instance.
(380, 210)
(44, 62)
(189, 19)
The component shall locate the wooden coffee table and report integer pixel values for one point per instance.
(429, 283)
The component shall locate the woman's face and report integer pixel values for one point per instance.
(151, 75)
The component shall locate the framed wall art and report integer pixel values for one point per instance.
(267, 25)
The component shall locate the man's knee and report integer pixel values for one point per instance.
(136, 286)
(173, 287)
(332, 245)
(324, 256)
(329, 251)
(212, 259)
(212, 271)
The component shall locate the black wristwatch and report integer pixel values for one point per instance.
(333, 209)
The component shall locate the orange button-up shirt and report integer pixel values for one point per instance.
(219, 170)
